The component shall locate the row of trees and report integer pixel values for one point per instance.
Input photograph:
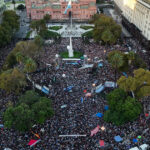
(122, 108)
(41, 29)
(23, 57)
(106, 30)
(124, 104)
(124, 62)
(30, 109)
(10, 24)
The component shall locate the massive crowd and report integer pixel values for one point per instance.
(77, 117)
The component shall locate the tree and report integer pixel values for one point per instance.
(122, 108)
(10, 24)
(20, 117)
(14, 2)
(131, 57)
(38, 25)
(19, 57)
(12, 80)
(5, 34)
(10, 61)
(30, 109)
(106, 29)
(29, 98)
(42, 109)
(139, 85)
(108, 37)
(38, 40)
(12, 19)
(47, 18)
(30, 65)
(28, 49)
(115, 58)
(21, 7)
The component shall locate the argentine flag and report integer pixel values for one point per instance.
(68, 7)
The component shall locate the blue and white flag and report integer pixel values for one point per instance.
(68, 7)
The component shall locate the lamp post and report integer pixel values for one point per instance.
(57, 61)
(102, 128)
(105, 53)
(93, 88)
(85, 60)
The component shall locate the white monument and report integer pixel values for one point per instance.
(69, 47)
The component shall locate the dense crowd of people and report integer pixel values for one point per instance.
(76, 117)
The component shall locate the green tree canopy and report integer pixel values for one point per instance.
(12, 80)
(139, 84)
(106, 29)
(29, 98)
(115, 58)
(47, 18)
(42, 109)
(12, 19)
(30, 65)
(38, 25)
(122, 108)
(30, 109)
(28, 49)
(10, 24)
(20, 117)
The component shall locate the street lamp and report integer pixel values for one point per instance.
(57, 60)
(102, 128)
(93, 87)
(104, 51)
(85, 59)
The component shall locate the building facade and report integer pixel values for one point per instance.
(136, 17)
(81, 9)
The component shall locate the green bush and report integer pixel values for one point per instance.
(122, 108)
(88, 35)
(139, 62)
(86, 27)
(31, 109)
(28, 35)
(76, 54)
(10, 61)
(56, 28)
(46, 34)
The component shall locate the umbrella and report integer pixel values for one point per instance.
(135, 140)
(101, 143)
(99, 115)
(106, 107)
(146, 115)
(118, 138)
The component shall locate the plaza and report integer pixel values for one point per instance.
(97, 98)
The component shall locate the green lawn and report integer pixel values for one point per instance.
(86, 27)
(9, 3)
(56, 28)
(76, 54)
